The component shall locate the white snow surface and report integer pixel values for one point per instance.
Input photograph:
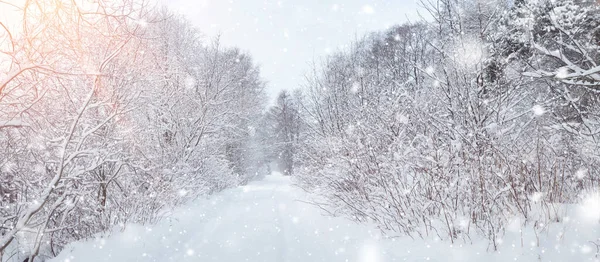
(269, 220)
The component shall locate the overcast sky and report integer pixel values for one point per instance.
(284, 36)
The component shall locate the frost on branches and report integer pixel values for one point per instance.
(457, 127)
(105, 120)
(481, 121)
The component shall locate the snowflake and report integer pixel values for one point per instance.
(562, 73)
(368, 9)
(470, 53)
(401, 118)
(586, 249)
(429, 70)
(463, 223)
(536, 197)
(589, 209)
(182, 192)
(370, 253)
(499, 241)
(189, 252)
(538, 110)
(581, 173)
(190, 82)
(142, 22)
(355, 88)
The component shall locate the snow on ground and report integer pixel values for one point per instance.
(268, 221)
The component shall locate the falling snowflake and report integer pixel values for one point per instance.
(368, 9)
(429, 70)
(536, 197)
(589, 209)
(469, 53)
(355, 88)
(581, 173)
(463, 223)
(538, 110)
(190, 82)
(350, 129)
(286, 34)
(142, 22)
(189, 252)
(586, 249)
(370, 252)
(499, 241)
(562, 73)
(401, 118)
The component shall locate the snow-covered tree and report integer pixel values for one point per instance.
(111, 112)
(451, 126)
(282, 128)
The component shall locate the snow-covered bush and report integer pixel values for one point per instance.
(442, 129)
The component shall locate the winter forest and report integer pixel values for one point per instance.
(471, 134)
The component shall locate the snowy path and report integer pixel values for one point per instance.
(265, 221)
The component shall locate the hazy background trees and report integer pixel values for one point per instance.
(281, 132)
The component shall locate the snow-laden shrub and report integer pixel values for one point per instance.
(404, 132)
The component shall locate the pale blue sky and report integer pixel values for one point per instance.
(284, 36)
